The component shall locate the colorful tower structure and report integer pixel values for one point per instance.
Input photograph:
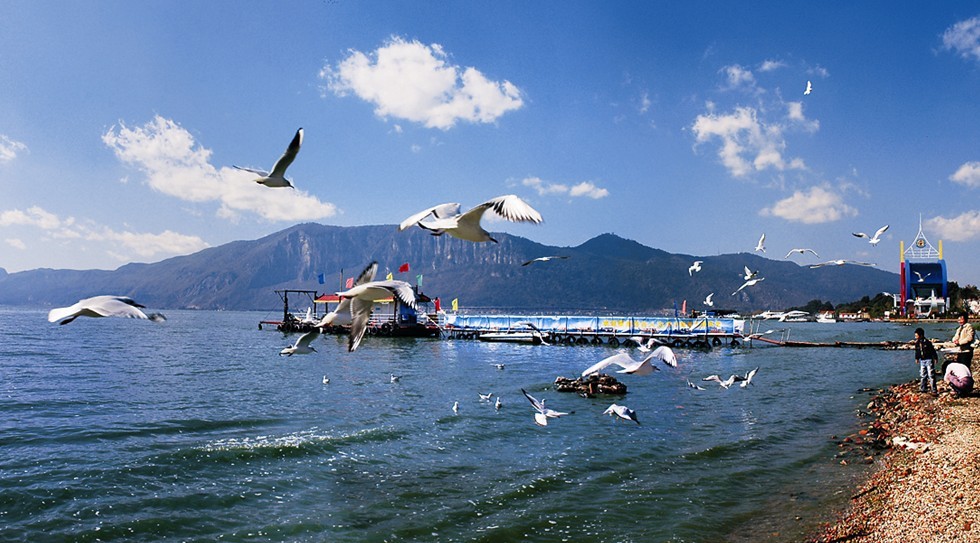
(923, 277)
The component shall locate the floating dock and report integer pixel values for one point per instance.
(700, 332)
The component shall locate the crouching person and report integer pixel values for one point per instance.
(960, 379)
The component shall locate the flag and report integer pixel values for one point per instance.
(349, 283)
(455, 304)
(403, 268)
(418, 279)
(319, 278)
(389, 277)
(438, 305)
(684, 308)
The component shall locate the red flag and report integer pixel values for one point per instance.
(350, 283)
(403, 268)
(684, 308)
(438, 305)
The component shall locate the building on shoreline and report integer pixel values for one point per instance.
(924, 289)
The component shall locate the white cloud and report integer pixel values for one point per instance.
(15, 243)
(964, 38)
(167, 243)
(968, 174)
(9, 148)
(34, 216)
(739, 77)
(176, 166)
(769, 65)
(585, 188)
(795, 114)
(413, 81)
(148, 245)
(813, 206)
(963, 227)
(645, 102)
(747, 143)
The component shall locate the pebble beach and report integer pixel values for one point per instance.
(926, 459)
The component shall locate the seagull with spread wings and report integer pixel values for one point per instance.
(635, 367)
(543, 413)
(841, 262)
(749, 283)
(873, 240)
(622, 412)
(801, 251)
(277, 178)
(809, 88)
(543, 259)
(707, 300)
(102, 306)
(761, 246)
(446, 218)
(696, 267)
(302, 345)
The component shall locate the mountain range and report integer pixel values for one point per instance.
(606, 274)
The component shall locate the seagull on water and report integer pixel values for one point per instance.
(326, 380)
(302, 345)
(922, 278)
(873, 240)
(359, 300)
(749, 283)
(841, 262)
(707, 300)
(761, 246)
(455, 407)
(446, 218)
(635, 367)
(809, 88)
(544, 259)
(102, 306)
(499, 403)
(801, 251)
(696, 267)
(499, 366)
(485, 397)
(622, 412)
(543, 413)
(395, 378)
(277, 178)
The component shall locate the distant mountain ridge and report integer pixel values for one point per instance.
(605, 274)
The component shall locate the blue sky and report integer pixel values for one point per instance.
(680, 125)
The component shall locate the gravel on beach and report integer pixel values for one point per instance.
(924, 487)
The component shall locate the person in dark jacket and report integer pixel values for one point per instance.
(925, 355)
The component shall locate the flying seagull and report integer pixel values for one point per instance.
(696, 267)
(446, 218)
(922, 278)
(724, 384)
(841, 262)
(801, 251)
(761, 246)
(646, 346)
(359, 300)
(809, 88)
(302, 345)
(543, 259)
(543, 413)
(748, 378)
(694, 386)
(749, 274)
(102, 306)
(485, 397)
(622, 412)
(277, 178)
(873, 240)
(707, 300)
(635, 367)
(749, 283)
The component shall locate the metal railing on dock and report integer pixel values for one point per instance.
(602, 330)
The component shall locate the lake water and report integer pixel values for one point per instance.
(196, 430)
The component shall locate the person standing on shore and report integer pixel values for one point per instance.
(925, 355)
(960, 379)
(963, 340)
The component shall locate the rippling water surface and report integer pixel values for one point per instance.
(196, 430)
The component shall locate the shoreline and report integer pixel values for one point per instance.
(926, 452)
